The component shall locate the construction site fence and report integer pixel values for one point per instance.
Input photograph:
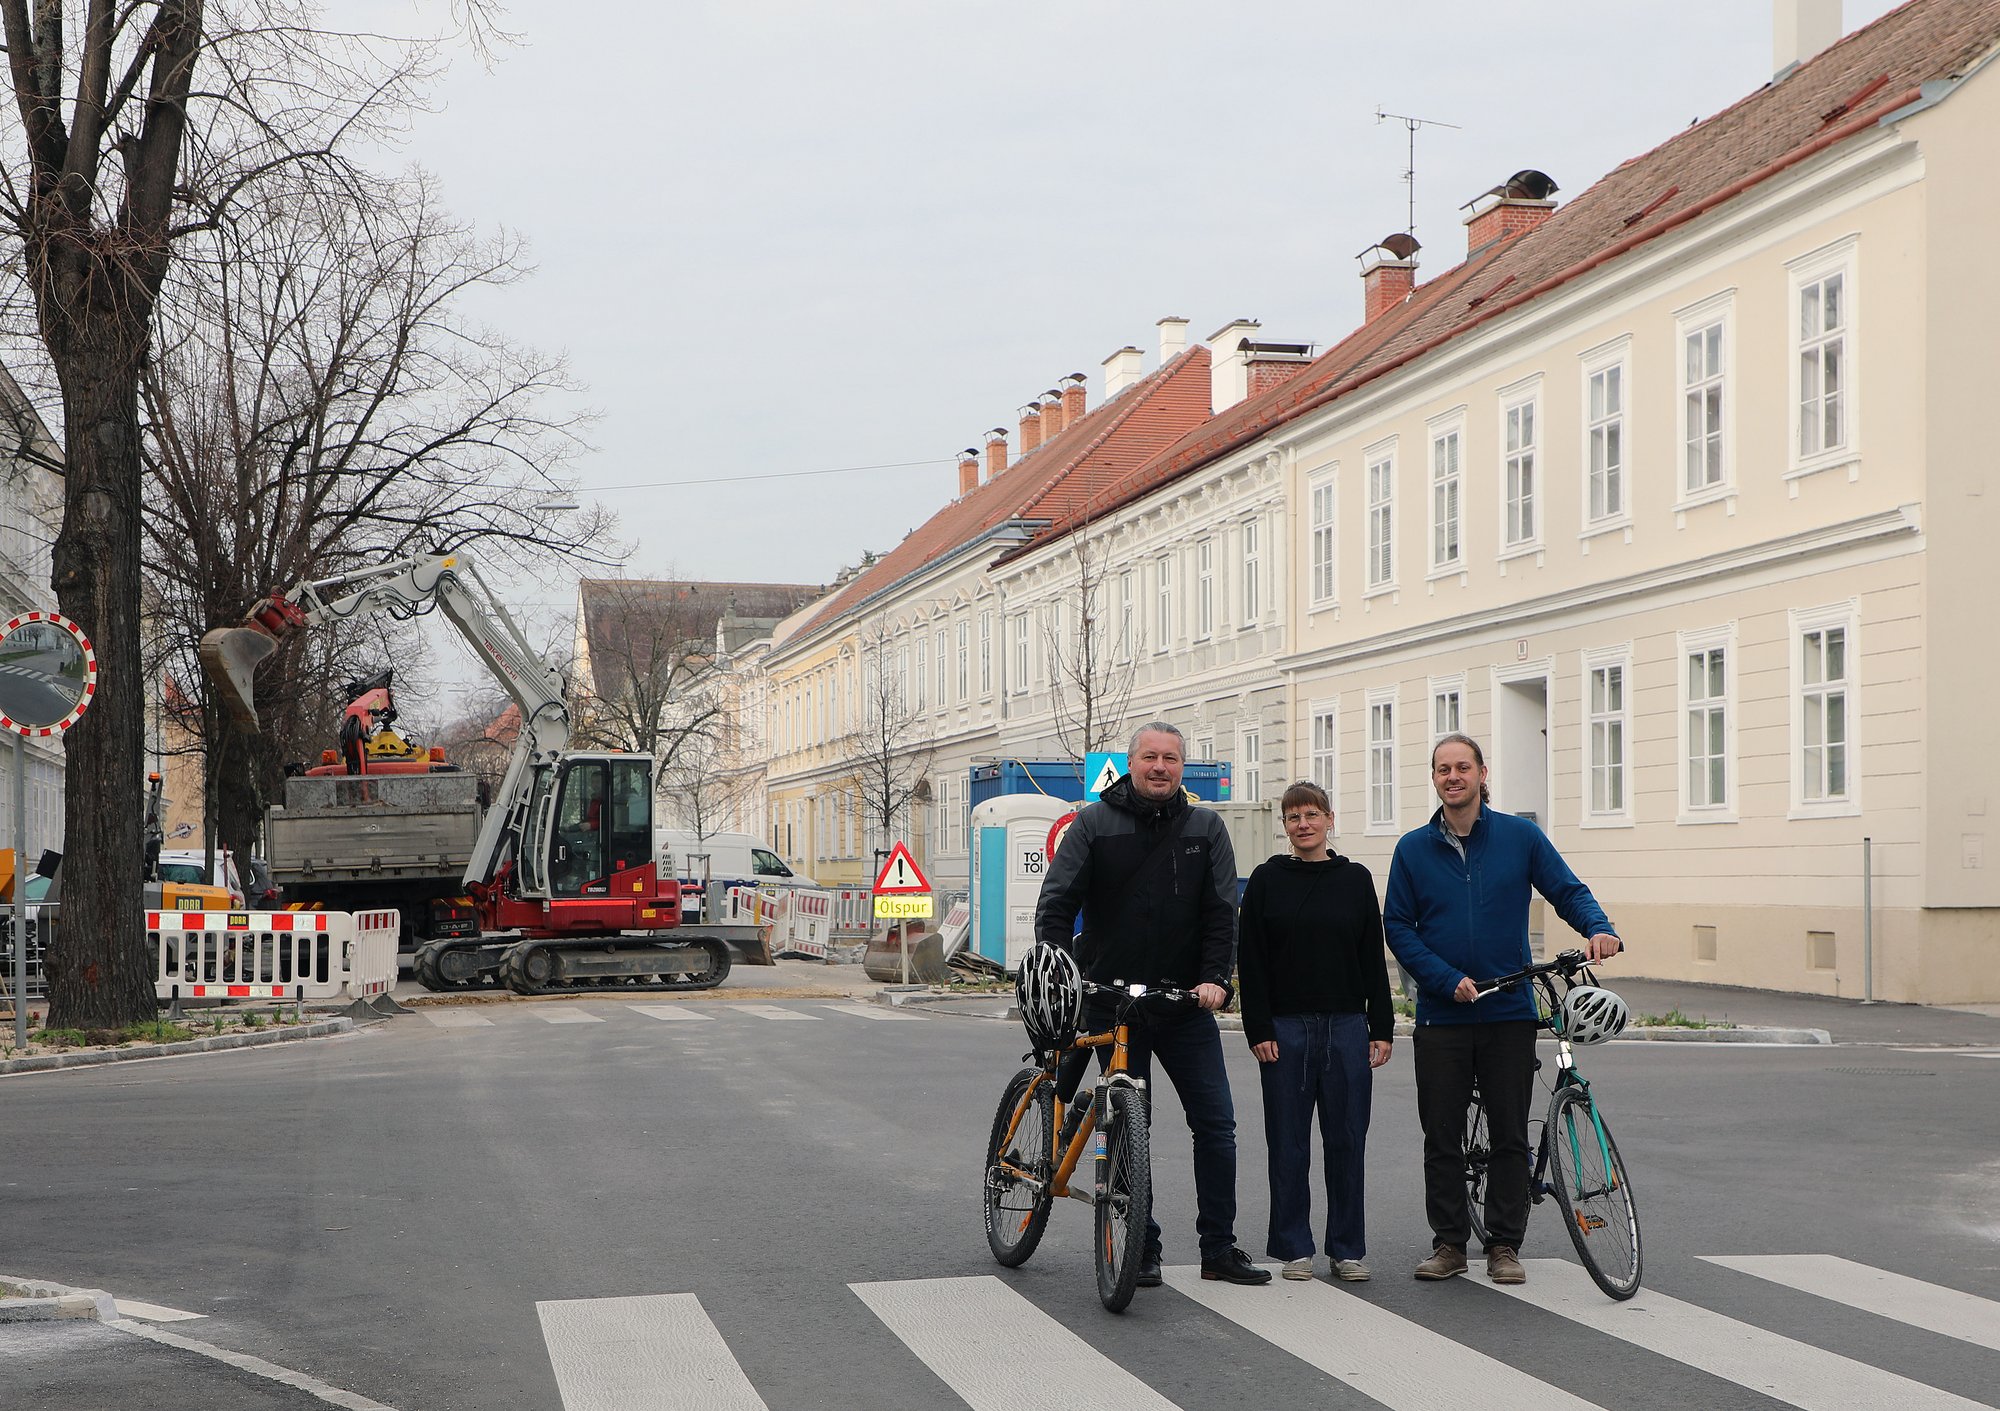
(272, 955)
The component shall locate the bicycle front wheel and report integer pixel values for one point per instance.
(1478, 1155)
(1126, 1200)
(1020, 1167)
(1589, 1177)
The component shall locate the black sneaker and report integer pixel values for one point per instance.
(1148, 1276)
(1234, 1267)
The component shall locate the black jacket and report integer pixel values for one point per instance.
(1312, 944)
(1155, 912)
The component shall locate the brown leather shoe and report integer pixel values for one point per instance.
(1445, 1260)
(1504, 1267)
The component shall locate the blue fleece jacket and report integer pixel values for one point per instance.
(1447, 917)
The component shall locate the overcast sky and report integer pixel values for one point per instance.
(792, 237)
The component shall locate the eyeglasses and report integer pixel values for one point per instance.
(1305, 816)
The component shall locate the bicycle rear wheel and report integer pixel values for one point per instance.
(1020, 1166)
(1478, 1154)
(1589, 1177)
(1127, 1199)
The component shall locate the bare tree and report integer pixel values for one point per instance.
(649, 686)
(1092, 647)
(700, 785)
(318, 401)
(140, 122)
(889, 750)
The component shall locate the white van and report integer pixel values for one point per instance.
(734, 860)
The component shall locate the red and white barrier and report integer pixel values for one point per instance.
(854, 912)
(272, 954)
(803, 924)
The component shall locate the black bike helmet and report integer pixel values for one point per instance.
(1049, 990)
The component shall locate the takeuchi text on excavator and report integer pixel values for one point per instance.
(568, 892)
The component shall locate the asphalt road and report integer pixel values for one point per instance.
(32, 692)
(752, 1200)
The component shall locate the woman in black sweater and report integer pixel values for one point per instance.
(1316, 1011)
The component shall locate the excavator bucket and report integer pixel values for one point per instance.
(231, 656)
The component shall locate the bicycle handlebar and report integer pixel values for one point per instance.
(1568, 964)
(1118, 989)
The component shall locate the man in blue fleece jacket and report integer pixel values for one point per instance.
(1457, 913)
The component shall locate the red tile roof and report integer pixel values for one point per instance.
(1054, 481)
(1838, 94)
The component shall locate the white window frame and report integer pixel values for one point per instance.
(1605, 659)
(1607, 358)
(1451, 486)
(986, 653)
(1531, 511)
(1249, 765)
(1379, 801)
(1128, 593)
(1323, 750)
(1378, 482)
(941, 644)
(1204, 589)
(1844, 617)
(964, 635)
(1441, 689)
(1323, 537)
(1806, 272)
(1689, 643)
(1203, 747)
(1023, 657)
(1716, 310)
(1253, 571)
(1163, 601)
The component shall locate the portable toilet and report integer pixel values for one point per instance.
(1010, 838)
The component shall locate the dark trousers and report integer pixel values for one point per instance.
(1322, 1066)
(1502, 1058)
(1189, 1047)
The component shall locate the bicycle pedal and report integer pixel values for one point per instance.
(1082, 1193)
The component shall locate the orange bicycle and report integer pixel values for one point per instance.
(1038, 1143)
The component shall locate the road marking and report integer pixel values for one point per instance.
(873, 1011)
(658, 1352)
(1964, 1316)
(1954, 1052)
(256, 1366)
(1808, 1377)
(457, 1019)
(548, 1014)
(152, 1312)
(667, 1011)
(771, 1011)
(1401, 1364)
(976, 1333)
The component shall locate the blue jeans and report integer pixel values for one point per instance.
(1322, 1064)
(1189, 1047)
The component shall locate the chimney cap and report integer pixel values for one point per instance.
(998, 433)
(1128, 348)
(1233, 323)
(1078, 378)
(1170, 318)
(1278, 352)
(1400, 246)
(1526, 184)
(1033, 408)
(970, 453)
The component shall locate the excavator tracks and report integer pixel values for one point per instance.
(577, 965)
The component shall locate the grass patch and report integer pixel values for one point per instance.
(1675, 1019)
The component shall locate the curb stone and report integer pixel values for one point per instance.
(46, 1062)
(35, 1301)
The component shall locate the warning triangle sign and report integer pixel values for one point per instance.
(900, 874)
(1106, 777)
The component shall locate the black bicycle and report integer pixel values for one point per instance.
(1575, 1158)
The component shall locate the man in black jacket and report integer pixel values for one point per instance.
(1155, 878)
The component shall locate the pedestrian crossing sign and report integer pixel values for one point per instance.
(900, 875)
(1101, 769)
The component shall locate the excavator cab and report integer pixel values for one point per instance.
(593, 828)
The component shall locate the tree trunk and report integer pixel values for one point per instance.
(100, 974)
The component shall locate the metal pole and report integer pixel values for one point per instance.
(903, 945)
(20, 890)
(1867, 920)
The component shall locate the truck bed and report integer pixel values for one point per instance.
(357, 827)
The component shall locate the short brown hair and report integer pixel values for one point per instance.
(1302, 793)
(1478, 757)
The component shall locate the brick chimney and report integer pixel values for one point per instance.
(1800, 29)
(1053, 417)
(1228, 370)
(968, 471)
(996, 451)
(1521, 202)
(1072, 395)
(1122, 369)
(1388, 274)
(1268, 364)
(1031, 427)
(1173, 338)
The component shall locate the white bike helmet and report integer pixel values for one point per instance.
(1049, 990)
(1591, 1015)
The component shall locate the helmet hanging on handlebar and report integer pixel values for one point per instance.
(1591, 1015)
(1049, 991)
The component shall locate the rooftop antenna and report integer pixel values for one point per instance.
(1410, 172)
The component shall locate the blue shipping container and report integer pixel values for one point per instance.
(1063, 779)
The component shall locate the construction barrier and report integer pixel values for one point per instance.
(853, 912)
(803, 924)
(272, 954)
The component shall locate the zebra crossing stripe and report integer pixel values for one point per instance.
(971, 1332)
(1403, 1365)
(874, 1011)
(549, 1014)
(659, 1352)
(668, 1011)
(1767, 1363)
(457, 1019)
(1964, 1316)
(771, 1011)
